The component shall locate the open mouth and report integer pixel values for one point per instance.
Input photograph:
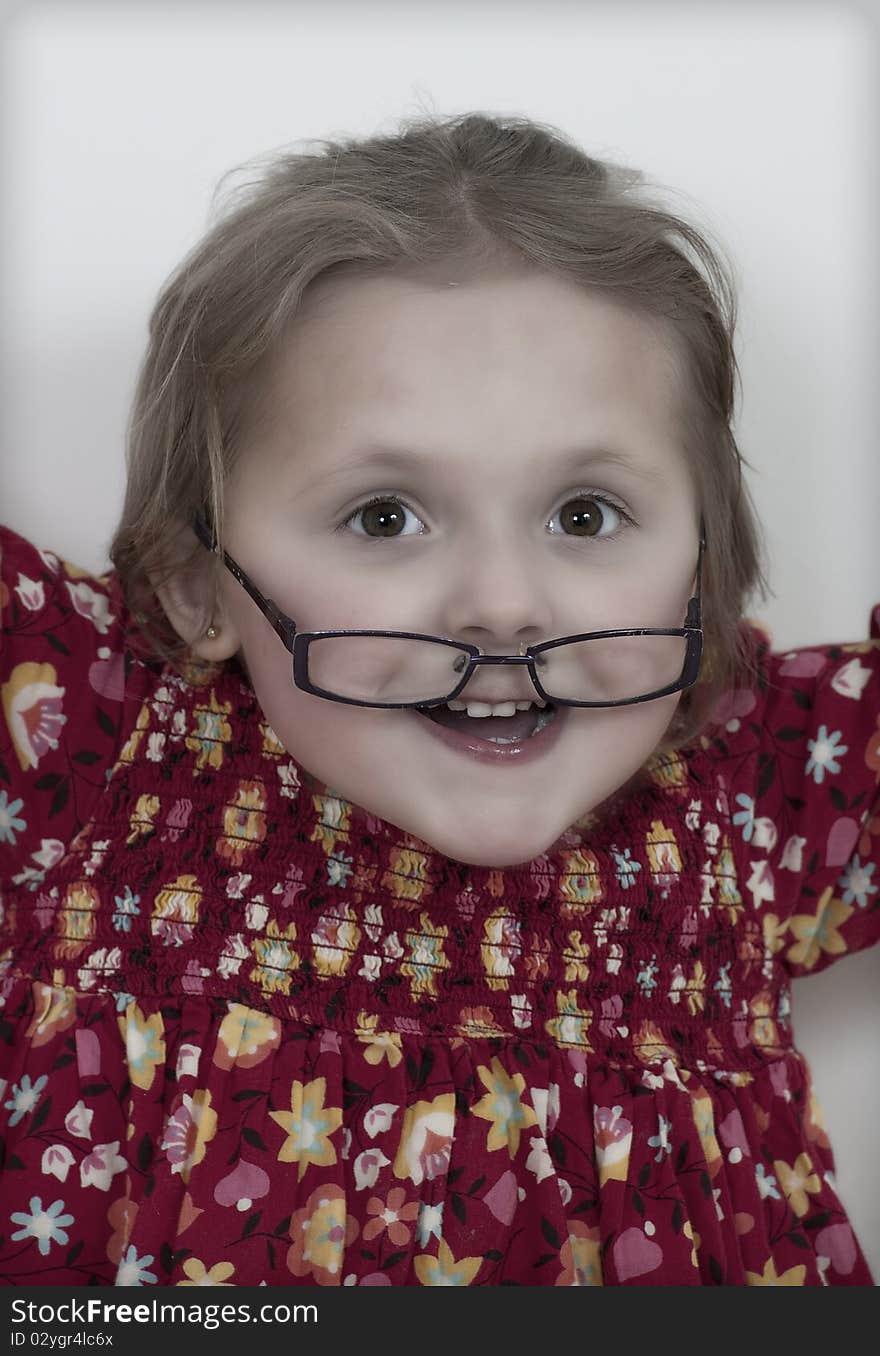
(512, 729)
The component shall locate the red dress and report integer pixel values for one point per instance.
(249, 1032)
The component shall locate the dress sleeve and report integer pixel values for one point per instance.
(803, 750)
(62, 679)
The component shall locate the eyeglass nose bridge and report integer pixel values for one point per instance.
(521, 658)
(501, 659)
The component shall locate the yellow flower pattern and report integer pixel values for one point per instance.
(212, 732)
(444, 1269)
(770, 1276)
(144, 1040)
(503, 1107)
(819, 932)
(406, 879)
(426, 959)
(277, 959)
(244, 823)
(77, 923)
(570, 1027)
(141, 823)
(381, 1045)
(799, 1182)
(309, 1125)
(246, 1037)
(198, 1274)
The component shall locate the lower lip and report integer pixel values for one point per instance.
(531, 749)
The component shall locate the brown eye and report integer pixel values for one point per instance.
(383, 520)
(380, 518)
(586, 516)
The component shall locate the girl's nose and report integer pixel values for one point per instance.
(496, 597)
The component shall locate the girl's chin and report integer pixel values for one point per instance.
(508, 837)
(492, 851)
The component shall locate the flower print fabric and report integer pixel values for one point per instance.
(250, 1033)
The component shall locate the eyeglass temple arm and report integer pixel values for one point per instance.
(286, 628)
(694, 618)
(279, 620)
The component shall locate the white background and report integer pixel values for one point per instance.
(118, 121)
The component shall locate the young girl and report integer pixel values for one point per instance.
(458, 954)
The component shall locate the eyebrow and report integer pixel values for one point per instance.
(377, 456)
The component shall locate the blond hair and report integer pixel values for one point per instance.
(474, 190)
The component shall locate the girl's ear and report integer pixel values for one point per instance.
(194, 605)
(183, 599)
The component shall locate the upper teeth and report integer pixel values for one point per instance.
(487, 709)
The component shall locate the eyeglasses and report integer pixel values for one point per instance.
(400, 669)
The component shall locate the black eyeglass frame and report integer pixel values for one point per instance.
(298, 642)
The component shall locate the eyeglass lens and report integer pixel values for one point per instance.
(392, 670)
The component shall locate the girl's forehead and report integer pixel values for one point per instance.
(533, 303)
(524, 340)
(513, 368)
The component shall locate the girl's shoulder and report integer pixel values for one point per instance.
(62, 685)
(793, 692)
(797, 756)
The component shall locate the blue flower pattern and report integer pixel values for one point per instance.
(625, 868)
(45, 1226)
(25, 1096)
(10, 824)
(745, 816)
(825, 750)
(126, 909)
(856, 882)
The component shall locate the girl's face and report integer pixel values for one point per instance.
(522, 437)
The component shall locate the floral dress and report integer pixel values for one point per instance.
(251, 1033)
